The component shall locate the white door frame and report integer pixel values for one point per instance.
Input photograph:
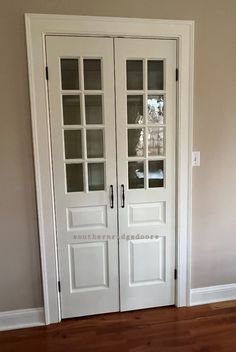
(37, 27)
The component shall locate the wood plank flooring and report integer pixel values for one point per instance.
(207, 328)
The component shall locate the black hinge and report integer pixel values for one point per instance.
(176, 74)
(46, 72)
(59, 286)
(175, 274)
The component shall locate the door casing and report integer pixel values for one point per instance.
(39, 26)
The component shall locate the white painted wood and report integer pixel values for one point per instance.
(87, 217)
(21, 318)
(211, 294)
(143, 213)
(147, 268)
(159, 254)
(90, 271)
(85, 270)
(37, 26)
(88, 267)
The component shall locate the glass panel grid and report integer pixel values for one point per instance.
(135, 109)
(93, 109)
(155, 75)
(149, 172)
(156, 173)
(74, 177)
(134, 74)
(156, 109)
(83, 129)
(71, 109)
(96, 178)
(92, 74)
(156, 141)
(136, 174)
(136, 142)
(69, 73)
(73, 144)
(94, 143)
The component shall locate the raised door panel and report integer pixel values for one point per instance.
(89, 274)
(147, 264)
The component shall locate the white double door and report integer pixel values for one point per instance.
(112, 123)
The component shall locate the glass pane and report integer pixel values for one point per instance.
(96, 177)
(93, 109)
(71, 109)
(155, 75)
(73, 146)
(70, 73)
(136, 142)
(156, 108)
(134, 74)
(94, 143)
(136, 174)
(156, 141)
(92, 74)
(156, 173)
(135, 109)
(74, 177)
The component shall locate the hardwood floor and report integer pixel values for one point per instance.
(208, 328)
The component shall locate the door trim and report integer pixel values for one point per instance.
(37, 27)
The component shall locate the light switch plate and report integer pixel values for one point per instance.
(196, 158)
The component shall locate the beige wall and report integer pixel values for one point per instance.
(214, 183)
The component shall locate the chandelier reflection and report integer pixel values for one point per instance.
(155, 109)
(155, 135)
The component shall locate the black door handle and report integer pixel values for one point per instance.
(122, 196)
(111, 197)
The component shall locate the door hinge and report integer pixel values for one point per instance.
(177, 74)
(46, 72)
(175, 274)
(59, 286)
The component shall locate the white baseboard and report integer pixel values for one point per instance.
(212, 294)
(25, 318)
(21, 318)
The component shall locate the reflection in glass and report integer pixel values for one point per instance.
(136, 142)
(70, 73)
(93, 109)
(156, 105)
(74, 177)
(92, 74)
(136, 174)
(96, 176)
(134, 69)
(71, 109)
(155, 141)
(73, 148)
(155, 75)
(135, 109)
(156, 173)
(94, 143)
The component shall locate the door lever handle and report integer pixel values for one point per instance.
(122, 196)
(111, 197)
